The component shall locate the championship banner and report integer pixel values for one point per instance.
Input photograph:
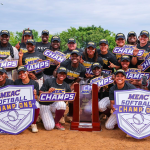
(57, 95)
(39, 65)
(54, 55)
(133, 112)
(145, 64)
(137, 76)
(127, 50)
(100, 81)
(106, 71)
(8, 64)
(17, 105)
(89, 71)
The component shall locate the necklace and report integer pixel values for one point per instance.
(72, 68)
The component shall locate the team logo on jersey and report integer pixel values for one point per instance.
(105, 61)
(17, 106)
(133, 112)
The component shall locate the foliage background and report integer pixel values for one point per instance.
(82, 35)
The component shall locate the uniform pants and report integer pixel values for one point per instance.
(103, 104)
(111, 122)
(46, 113)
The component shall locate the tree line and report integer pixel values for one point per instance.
(82, 35)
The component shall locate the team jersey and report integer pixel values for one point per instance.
(41, 47)
(51, 83)
(31, 82)
(127, 86)
(23, 47)
(8, 82)
(5, 54)
(30, 58)
(106, 58)
(68, 52)
(87, 63)
(73, 73)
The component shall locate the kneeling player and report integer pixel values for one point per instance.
(24, 80)
(120, 77)
(46, 108)
(103, 94)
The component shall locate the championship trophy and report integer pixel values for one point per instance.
(85, 108)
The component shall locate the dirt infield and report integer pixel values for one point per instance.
(72, 140)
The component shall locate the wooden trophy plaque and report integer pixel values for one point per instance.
(84, 120)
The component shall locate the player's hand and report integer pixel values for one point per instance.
(34, 92)
(135, 51)
(113, 77)
(51, 90)
(81, 60)
(32, 76)
(88, 75)
(56, 62)
(72, 86)
(140, 67)
(20, 54)
(57, 66)
(40, 60)
(122, 54)
(132, 81)
(112, 107)
(17, 45)
(111, 65)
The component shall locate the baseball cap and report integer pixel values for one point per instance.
(62, 69)
(120, 71)
(45, 31)
(119, 35)
(5, 32)
(27, 32)
(125, 57)
(71, 40)
(103, 41)
(76, 52)
(30, 41)
(144, 32)
(22, 68)
(55, 38)
(96, 65)
(3, 70)
(132, 33)
(91, 44)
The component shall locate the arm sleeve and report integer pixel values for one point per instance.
(63, 64)
(68, 88)
(111, 94)
(16, 55)
(45, 87)
(83, 71)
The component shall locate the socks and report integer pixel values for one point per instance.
(58, 115)
(36, 115)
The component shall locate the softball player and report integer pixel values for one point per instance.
(46, 108)
(120, 77)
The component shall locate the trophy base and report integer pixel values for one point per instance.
(85, 126)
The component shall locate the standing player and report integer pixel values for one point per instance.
(27, 34)
(24, 80)
(109, 60)
(30, 57)
(143, 44)
(44, 44)
(72, 45)
(90, 56)
(46, 108)
(7, 51)
(120, 77)
(55, 46)
(132, 38)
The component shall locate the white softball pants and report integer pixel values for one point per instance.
(46, 113)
